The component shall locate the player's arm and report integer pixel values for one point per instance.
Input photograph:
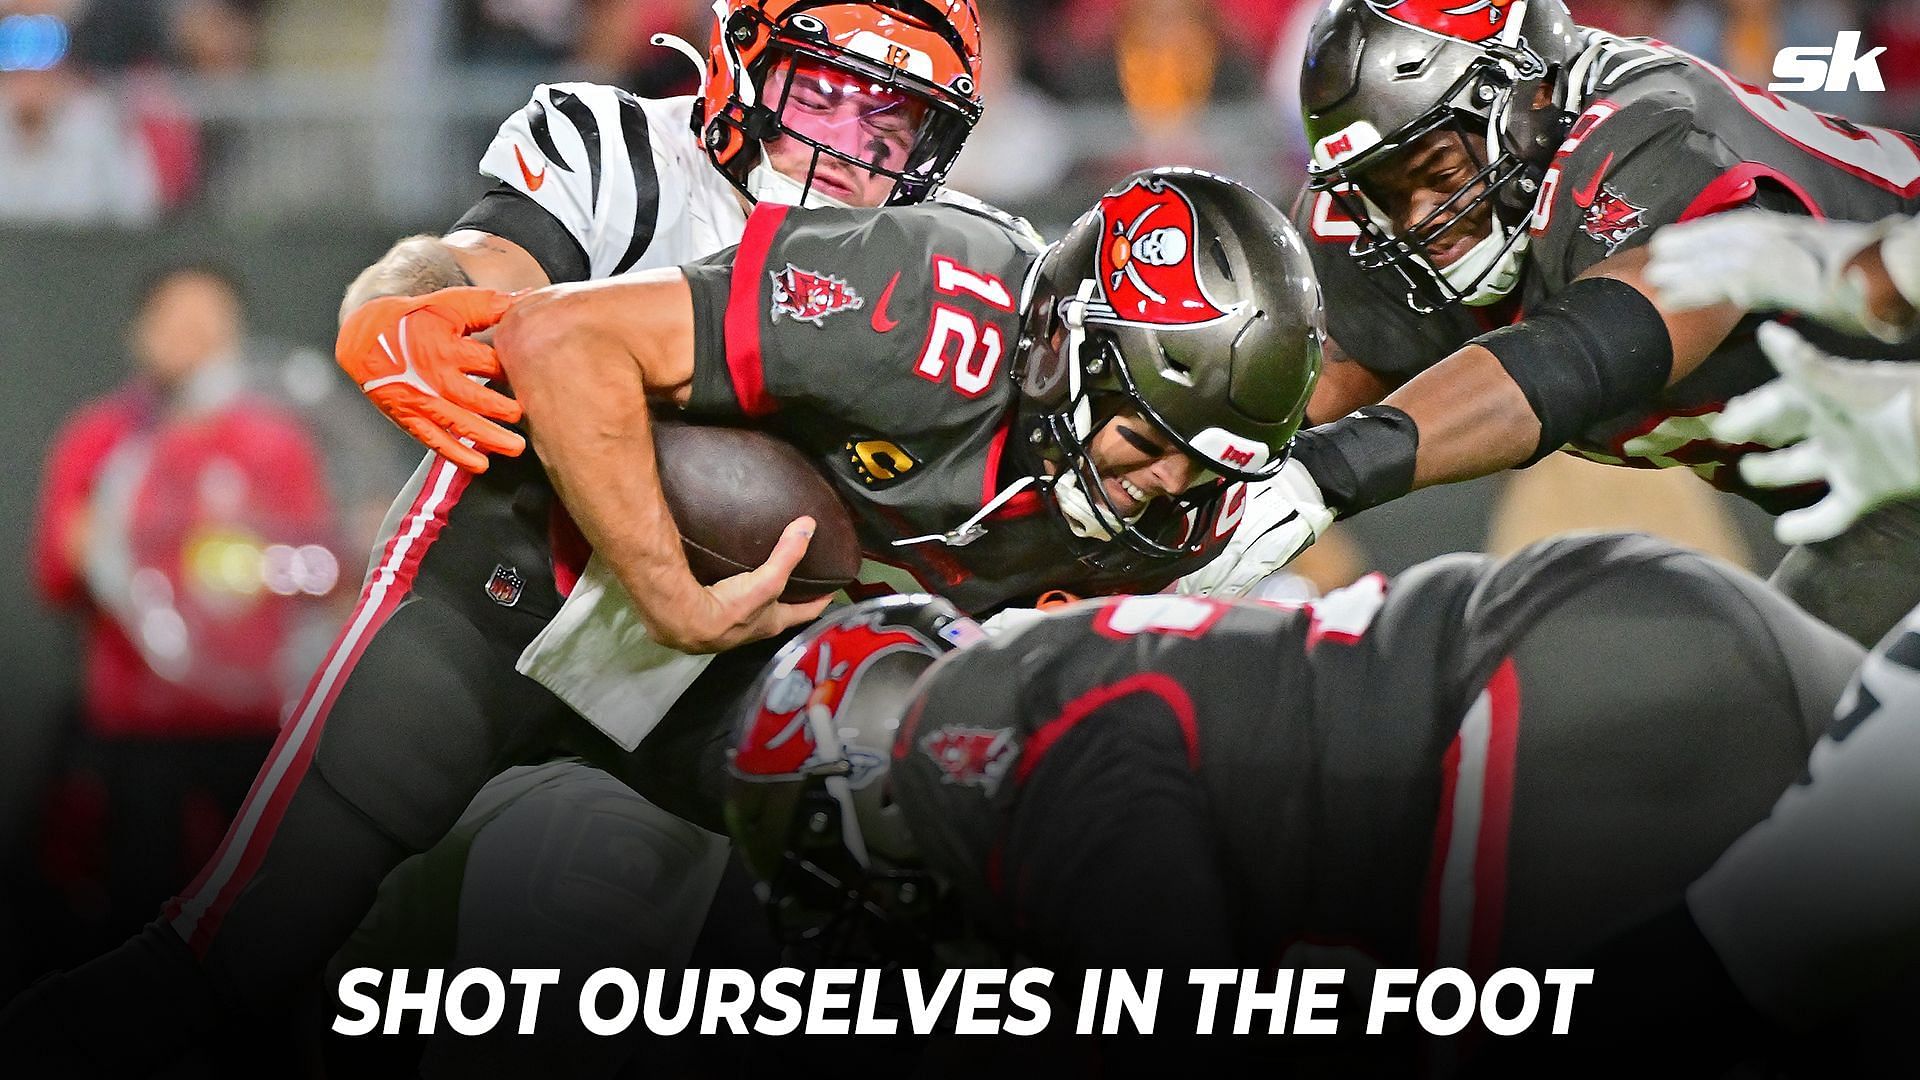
(587, 360)
(1516, 394)
(542, 222)
(1345, 385)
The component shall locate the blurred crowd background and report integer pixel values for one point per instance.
(186, 187)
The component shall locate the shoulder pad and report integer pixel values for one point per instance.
(1019, 226)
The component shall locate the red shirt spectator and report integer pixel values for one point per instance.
(181, 517)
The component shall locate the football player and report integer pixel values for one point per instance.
(1483, 182)
(802, 101)
(1078, 418)
(810, 102)
(1818, 904)
(1453, 769)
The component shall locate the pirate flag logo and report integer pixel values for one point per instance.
(971, 756)
(805, 296)
(1468, 20)
(1611, 219)
(1147, 274)
(779, 741)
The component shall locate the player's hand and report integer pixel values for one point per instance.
(1857, 420)
(1763, 261)
(746, 607)
(1284, 515)
(412, 357)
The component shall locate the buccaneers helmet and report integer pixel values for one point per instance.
(922, 54)
(1380, 75)
(1188, 299)
(809, 799)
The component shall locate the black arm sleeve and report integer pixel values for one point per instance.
(510, 215)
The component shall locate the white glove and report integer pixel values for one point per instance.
(1760, 260)
(1284, 515)
(1857, 419)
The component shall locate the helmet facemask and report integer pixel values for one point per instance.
(809, 800)
(807, 79)
(1099, 389)
(1480, 109)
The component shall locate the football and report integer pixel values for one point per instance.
(732, 491)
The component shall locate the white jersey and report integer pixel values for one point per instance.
(624, 176)
(1820, 904)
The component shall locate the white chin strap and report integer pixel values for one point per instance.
(769, 185)
(1501, 269)
(1084, 520)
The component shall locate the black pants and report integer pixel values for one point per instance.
(1863, 581)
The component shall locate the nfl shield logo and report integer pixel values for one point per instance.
(504, 586)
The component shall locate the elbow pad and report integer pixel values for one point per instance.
(1596, 350)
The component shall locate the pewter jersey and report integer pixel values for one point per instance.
(1479, 763)
(1662, 137)
(879, 342)
(593, 182)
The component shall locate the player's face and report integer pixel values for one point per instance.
(872, 124)
(1414, 183)
(1138, 463)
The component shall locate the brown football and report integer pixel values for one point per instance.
(732, 491)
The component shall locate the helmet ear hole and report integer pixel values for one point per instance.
(1220, 260)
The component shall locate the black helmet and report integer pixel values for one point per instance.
(1189, 299)
(808, 792)
(1381, 74)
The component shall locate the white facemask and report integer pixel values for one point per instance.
(769, 185)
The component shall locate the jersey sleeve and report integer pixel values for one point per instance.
(838, 311)
(1623, 171)
(583, 156)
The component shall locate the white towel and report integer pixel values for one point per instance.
(597, 656)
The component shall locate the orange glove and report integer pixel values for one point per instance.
(412, 357)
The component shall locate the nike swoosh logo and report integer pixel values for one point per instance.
(533, 181)
(1584, 197)
(882, 324)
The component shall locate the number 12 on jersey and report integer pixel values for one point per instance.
(956, 339)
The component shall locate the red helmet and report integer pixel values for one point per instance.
(920, 57)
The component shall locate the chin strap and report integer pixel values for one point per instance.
(971, 529)
(769, 185)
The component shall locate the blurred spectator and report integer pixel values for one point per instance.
(68, 153)
(1164, 59)
(1744, 37)
(522, 33)
(182, 520)
(1018, 150)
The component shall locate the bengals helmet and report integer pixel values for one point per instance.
(1188, 299)
(1380, 75)
(926, 53)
